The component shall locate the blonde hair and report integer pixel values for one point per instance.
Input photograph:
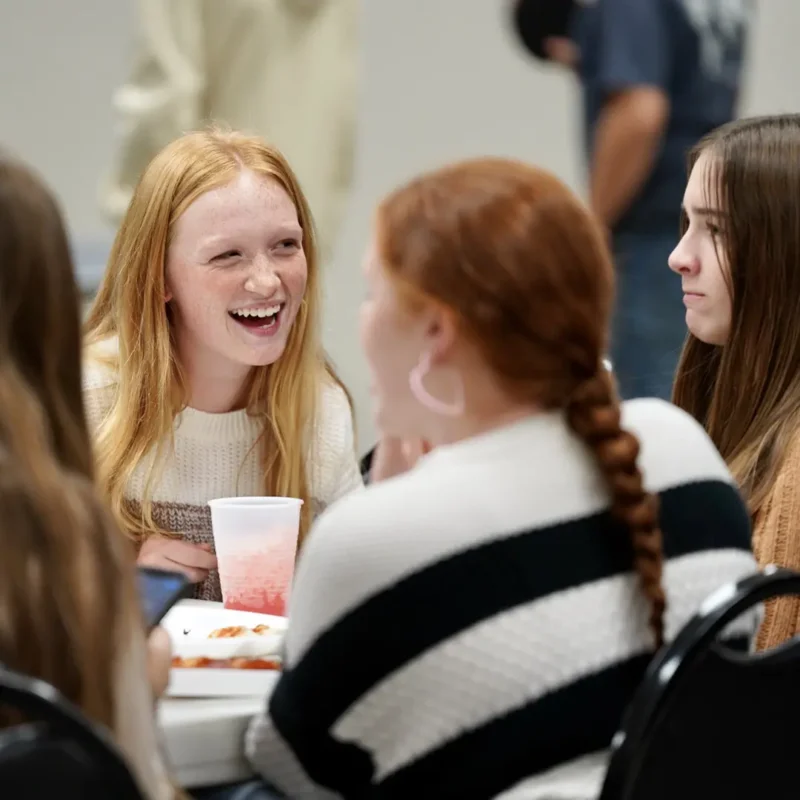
(130, 306)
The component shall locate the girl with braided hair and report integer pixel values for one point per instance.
(475, 626)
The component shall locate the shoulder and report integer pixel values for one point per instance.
(783, 497)
(675, 449)
(701, 508)
(791, 458)
(360, 545)
(333, 425)
(334, 404)
(100, 365)
(378, 527)
(333, 463)
(100, 379)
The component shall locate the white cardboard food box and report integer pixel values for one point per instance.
(189, 624)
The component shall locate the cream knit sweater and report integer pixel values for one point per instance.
(214, 457)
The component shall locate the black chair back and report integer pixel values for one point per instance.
(58, 752)
(708, 721)
(366, 464)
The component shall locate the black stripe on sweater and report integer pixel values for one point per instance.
(399, 623)
(576, 720)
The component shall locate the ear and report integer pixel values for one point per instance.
(562, 50)
(441, 333)
(165, 278)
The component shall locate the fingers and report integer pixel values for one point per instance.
(192, 574)
(389, 459)
(159, 656)
(194, 561)
(190, 555)
(158, 560)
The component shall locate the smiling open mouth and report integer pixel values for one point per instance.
(258, 318)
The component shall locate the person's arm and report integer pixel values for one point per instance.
(329, 578)
(633, 74)
(776, 540)
(162, 98)
(626, 143)
(395, 456)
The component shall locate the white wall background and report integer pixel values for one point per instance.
(442, 79)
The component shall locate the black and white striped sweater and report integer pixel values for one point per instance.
(471, 626)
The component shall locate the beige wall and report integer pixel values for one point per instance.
(442, 79)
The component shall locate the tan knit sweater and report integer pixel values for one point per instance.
(213, 456)
(776, 540)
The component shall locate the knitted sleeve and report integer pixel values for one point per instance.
(99, 390)
(776, 540)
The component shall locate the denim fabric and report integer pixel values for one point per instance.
(649, 317)
(251, 790)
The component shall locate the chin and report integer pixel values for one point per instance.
(262, 356)
(707, 335)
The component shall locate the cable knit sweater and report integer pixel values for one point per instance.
(214, 457)
(473, 628)
(776, 540)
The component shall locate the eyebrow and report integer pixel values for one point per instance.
(290, 230)
(704, 211)
(225, 239)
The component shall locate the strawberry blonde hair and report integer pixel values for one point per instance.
(130, 307)
(525, 268)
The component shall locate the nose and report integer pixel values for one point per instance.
(262, 278)
(682, 260)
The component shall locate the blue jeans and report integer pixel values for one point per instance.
(251, 790)
(648, 327)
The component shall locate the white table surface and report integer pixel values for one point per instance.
(205, 738)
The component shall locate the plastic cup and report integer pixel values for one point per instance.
(256, 543)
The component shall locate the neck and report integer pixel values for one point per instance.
(215, 388)
(451, 430)
(215, 396)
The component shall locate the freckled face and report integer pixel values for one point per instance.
(236, 274)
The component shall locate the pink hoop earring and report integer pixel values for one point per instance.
(423, 396)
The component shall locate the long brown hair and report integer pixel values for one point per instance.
(523, 264)
(67, 600)
(40, 332)
(130, 307)
(746, 393)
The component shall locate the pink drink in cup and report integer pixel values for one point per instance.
(256, 543)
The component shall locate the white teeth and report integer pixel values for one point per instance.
(271, 311)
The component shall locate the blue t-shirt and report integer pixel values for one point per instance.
(693, 50)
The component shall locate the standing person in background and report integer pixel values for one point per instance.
(657, 75)
(284, 70)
